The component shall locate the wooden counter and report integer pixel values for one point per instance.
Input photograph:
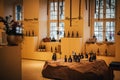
(10, 63)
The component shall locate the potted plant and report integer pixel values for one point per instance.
(13, 29)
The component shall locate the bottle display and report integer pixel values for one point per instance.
(42, 48)
(30, 33)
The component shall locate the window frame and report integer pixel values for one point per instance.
(15, 13)
(104, 20)
(60, 20)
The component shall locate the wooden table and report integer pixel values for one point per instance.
(84, 70)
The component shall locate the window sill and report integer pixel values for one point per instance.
(101, 43)
(108, 43)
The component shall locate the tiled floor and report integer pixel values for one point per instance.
(31, 70)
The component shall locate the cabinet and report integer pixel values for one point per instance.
(52, 45)
(10, 63)
(70, 44)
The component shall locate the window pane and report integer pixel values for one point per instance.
(99, 36)
(53, 26)
(61, 34)
(110, 36)
(110, 8)
(56, 31)
(99, 9)
(53, 34)
(53, 15)
(18, 11)
(98, 31)
(98, 26)
(61, 26)
(61, 30)
(110, 31)
(61, 10)
(53, 30)
(104, 24)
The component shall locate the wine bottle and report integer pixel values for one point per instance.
(68, 34)
(26, 33)
(55, 49)
(54, 57)
(106, 52)
(86, 55)
(65, 58)
(33, 33)
(91, 59)
(70, 59)
(78, 59)
(77, 34)
(29, 34)
(51, 49)
(75, 57)
(72, 34)
(82, 56)
(98, 51)
(94, 56)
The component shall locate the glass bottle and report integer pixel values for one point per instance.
(106, 52)
(70, 59)
(51, 49)
(54, 57)
(98, 51)
(77, 34)
(29, 34)
(65, 58)
(82, 56)
(26, 33)
(72, 34)
(68, 34)
(33, 33)
(55, 49)
(86, 55)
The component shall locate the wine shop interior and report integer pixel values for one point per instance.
(59, 40)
